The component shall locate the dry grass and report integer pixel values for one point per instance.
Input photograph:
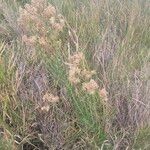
(74, 75)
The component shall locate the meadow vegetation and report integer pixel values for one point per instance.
(74, 74)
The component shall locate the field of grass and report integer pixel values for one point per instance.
(74, 75)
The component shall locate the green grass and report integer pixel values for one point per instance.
(143, 139)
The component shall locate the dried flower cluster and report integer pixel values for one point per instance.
(74, 67)
(90, 86)
(78, 74)
(48, 99)
(103, 93)
(39, 21)
(30, 41)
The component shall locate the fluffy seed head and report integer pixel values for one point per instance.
(49, 11)
(88, 74)
(50, 98)
(103, 93)
(42, 41)
(90, 87)
(29, 41)
(76, 58)
(57, 26)
(45, 108)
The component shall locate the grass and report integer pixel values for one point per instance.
(114, 38)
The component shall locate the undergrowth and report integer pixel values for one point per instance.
(74, 74)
